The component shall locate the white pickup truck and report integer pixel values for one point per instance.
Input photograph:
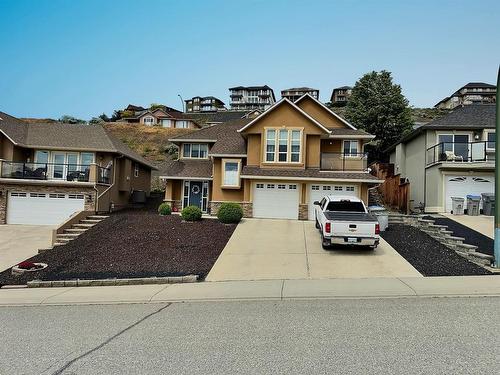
(346, 221)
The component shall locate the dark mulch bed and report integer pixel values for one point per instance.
(134, 243)
(427, 255)
(484, 243)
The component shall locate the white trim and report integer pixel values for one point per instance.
(276, 105)
(9, 138)
(228, 155)
(288, 145)
(181, 153)
(352, 136)
(186, 178)
(328, 109)
(191, 140)
(223, 174)
(250, 177)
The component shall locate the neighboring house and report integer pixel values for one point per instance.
(340, 95)
(49, 171)
(214, 118)
(244, 98)
(204, 104)
(165, 117)
(296, 92)
(471, 93)
(275, 165)
(452, 156)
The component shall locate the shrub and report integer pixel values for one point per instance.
(191, 213)
(230, 213)
(164, 209)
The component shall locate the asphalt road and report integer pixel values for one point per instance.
(371, 336)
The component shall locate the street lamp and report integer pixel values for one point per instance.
(182, 101)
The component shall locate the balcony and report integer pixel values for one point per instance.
(340, 161)
(56, 172)
(461, 152)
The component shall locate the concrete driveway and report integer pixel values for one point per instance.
(261, 249)
(19, 242)
(482, 224)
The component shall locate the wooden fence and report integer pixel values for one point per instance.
(395, 190)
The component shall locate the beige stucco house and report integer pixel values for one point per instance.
(50, 171)
(452, 156)
(275, 165)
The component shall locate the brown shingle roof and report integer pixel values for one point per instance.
(225, 137)
(65, 137)
(306, 173)
(186, 168)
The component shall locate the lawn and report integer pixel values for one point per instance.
(133, 243)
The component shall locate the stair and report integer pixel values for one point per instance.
(76, 230)
(375, 198)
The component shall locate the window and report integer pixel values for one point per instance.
(148, 120)
(491, 141)
(281, 186)
(338, 188)
(350, 148)
(195, 150)
(292, 187)
(315, 187)
(86, 158)
(325, 187)
(289, 143)
(270, 186)
(136, 170)
(166, 123)
(182, 124)
(41, 156)
(260, 186)
(231, 176)
(349, 188)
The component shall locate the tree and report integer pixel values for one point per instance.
(71, 120)
(378, 107)
(95, 120)
(104, 117)
(154, 106)
(117, 115)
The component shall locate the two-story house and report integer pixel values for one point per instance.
(275, 165)
(245, 98)
(471, 93)
(204, 104)
(295, 93)
(340, 95)
(50, 171)
(162, 116)
(452, 156)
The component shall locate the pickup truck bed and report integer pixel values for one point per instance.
(350, 216)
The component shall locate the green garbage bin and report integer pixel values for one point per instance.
(488, 204)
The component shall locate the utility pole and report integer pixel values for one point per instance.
(182, 101)
(497, 177)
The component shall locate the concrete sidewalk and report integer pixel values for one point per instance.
(258, 290)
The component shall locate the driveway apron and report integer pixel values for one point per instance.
(262, 249)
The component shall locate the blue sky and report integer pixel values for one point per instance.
(87, 57)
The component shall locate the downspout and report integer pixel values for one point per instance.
(425, 171)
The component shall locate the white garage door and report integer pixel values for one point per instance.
(461, 186)
(42, 208)
(317, 192)
(276, 200)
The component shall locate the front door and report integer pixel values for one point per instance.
(195, 193)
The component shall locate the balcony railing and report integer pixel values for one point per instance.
(340, 161)
(57, 172)
(460, 152)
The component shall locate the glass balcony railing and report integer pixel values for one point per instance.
(342, 161)
(460, 152)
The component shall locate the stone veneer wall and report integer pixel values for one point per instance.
(303, 211)
(175, 204)
(88, 192)
(247, 208)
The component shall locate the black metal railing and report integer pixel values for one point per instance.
(45, 171)
(344, 161)
(103, 175)
(460, 152)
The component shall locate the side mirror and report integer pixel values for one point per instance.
(316, 203)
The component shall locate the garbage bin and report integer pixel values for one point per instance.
(457, 205)
(382, 216)
(488, 204)
(473, 205)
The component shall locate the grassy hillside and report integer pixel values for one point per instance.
(149, 141)
(419, 115)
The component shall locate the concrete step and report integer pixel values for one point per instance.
(83, 225)
(40, 251)
(425, 220)
(63, 240)
(87, 221)
(466, 247)
(480, 258)
(97, 217)
(75, 230)
(59, 244)
(68, 235)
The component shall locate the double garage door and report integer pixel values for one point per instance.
(461, 186)
(42, 208)
(281, 200)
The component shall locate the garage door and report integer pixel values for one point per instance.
(276, 200)
(42, 208)
(461, 186)
(317, 192)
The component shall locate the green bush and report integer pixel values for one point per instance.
(164, 209)
(230, 213)
(191, 213)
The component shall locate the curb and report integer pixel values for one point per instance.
(113, 282)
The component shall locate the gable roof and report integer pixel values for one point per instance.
(468, 86)
(226, 138)
(326, 108)
(65, 137)
(276, 105)
(469, 117)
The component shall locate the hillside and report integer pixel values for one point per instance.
(149, 141)
(418, 115)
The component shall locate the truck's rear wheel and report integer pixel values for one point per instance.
(325, 243)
